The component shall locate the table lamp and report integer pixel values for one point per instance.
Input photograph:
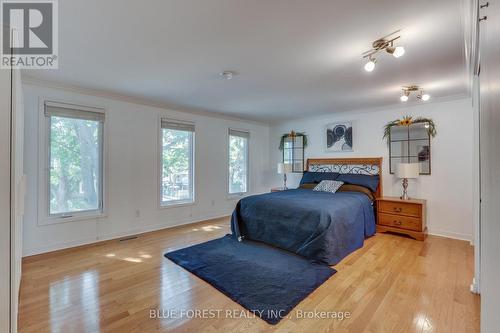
(283, 169)
(406, 171)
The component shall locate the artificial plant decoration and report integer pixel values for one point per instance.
(407, 121)
(292, 135)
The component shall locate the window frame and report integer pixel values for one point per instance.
(192, 169)
(247, 162)
(43, 202)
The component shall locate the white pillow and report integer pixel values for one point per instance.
(328, 186)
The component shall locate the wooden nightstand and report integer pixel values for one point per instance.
(402, 216)
(277, 189)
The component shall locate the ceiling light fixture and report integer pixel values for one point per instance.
(385, 43)
(407, 90)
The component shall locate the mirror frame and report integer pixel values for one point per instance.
(294, 149)
(408, 156)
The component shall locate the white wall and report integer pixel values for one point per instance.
(132, 169)
(18, 194)
(448, 189)
(476, 189)
(490, 168)
(5, 199)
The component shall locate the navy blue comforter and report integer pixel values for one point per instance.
(320, 226)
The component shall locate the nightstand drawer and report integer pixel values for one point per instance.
(398, 221)
(402, 208)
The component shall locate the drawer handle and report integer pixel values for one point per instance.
(396, 222)
(398, 209)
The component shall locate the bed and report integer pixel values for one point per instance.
(321, 226)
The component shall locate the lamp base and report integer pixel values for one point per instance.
(284, 182)
(405, 192)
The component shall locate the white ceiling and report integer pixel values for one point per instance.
(293, 57)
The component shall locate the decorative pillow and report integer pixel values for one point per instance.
(357, 188)
(316, 177)
(370, 182)
(328, 186)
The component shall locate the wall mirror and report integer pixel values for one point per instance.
(293, 152)
(410, 144)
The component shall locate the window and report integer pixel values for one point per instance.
(238, 161)
(177, 152)
(74, 179)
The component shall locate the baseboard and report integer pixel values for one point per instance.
(102, 238)
(155, 227)
(449, 234)
(58, 246)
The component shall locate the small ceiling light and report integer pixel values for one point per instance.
(385, 43)
(227, 75)
(407, 90)
(370, 65)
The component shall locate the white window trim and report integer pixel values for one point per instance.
(43, 217)
(159, 166)
(239, 195)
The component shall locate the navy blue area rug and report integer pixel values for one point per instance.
(267, 281)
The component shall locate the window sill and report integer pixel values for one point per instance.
(237, 196)
(177, 204)
(81, 217)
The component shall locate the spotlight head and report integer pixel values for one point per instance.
(370, 65)
(425, 97)
(398, 51)
(406, 93)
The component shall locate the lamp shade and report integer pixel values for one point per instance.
(284, 168)
(408, 170)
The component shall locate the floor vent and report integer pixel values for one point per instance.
(128, 238)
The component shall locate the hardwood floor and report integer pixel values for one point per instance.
(392, 284)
